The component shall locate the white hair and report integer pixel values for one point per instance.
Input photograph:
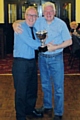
(48, 4)
(29, 8)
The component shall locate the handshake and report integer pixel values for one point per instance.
(42, 35)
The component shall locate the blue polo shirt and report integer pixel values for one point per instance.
(57, 31)
(24, 44)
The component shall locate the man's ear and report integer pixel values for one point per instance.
(55, 12)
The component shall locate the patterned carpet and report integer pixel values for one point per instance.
(6, 65)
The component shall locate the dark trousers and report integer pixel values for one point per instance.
(25, 83)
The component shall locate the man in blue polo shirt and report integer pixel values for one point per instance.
(51, 62)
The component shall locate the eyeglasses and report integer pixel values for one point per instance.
(29, 15)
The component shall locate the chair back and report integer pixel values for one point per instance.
(76, 44)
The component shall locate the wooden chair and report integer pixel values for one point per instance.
(74, 51)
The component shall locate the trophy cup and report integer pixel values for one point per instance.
(42, 35)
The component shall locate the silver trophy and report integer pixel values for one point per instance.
(42, 35)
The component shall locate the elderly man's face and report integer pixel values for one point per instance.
(49, 13)
(73, 25)
(31, 16)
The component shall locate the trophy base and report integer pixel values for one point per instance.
(43, 49)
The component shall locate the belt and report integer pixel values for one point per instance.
(49, 55)
(18, 58)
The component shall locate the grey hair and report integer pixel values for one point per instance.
(48, 4)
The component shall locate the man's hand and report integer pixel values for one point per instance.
(17, 27)
(51, 47)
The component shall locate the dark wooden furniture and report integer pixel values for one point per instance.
(2, 44)
(74, 51)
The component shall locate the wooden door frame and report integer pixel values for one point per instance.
(73, 11)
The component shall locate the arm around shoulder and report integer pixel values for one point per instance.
(17, 26)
